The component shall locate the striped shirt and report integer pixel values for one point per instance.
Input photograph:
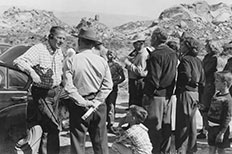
(45, 62)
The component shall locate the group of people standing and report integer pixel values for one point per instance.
(155, 75)
(174, 69)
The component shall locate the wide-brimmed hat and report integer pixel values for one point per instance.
(138, 37)
(89, 34)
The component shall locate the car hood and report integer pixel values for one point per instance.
(12, 53)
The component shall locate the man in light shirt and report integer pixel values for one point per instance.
(44, 62)
(136, 65)
(87, 80)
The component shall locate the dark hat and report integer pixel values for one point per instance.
(139, 112)
(161, 34)
(89, 34)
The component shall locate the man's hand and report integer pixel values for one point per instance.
(35, 77)
(127, 62)
(122, 59)
(220, 137)
(93, 104)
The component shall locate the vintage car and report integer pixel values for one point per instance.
(14, 95)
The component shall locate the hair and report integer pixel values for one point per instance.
(54, 30)
(173, 45)
(110, 52)
(161, 35)
(225, 76)
(192, 44)
(214, 46)
(138, 112)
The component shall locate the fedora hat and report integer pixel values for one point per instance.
(89, 34)
(138, 37)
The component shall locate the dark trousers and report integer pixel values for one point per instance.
(159, 124)
(40, 111)
(136, 91)
(111, 102)
(186, 131)
(95, 124)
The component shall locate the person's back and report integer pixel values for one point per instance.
(89, 68)
(190, 81)
(194, 73)
(88, 82)
(139, 137)
(166, 59)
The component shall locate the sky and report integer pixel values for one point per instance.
(146, 8)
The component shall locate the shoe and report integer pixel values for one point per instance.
(201, 136)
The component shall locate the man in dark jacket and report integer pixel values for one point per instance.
(190, 81)
(158, 89)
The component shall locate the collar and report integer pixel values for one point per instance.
(85, 51)
(143, 127)
(138, 52)
(50, 48)
(161, 45)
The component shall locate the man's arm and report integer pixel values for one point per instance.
(106, 86)
(153, 77)
(227, 113)
(26, 61)
(140, 69)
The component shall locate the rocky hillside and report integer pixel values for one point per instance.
(26, 26)
(200, 19)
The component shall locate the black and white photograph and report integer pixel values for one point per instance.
(116, 77)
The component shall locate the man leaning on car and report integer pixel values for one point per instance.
(43, 62)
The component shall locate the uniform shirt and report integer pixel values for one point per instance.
(137, 69)
(136, 137)
(45, 62)
(86, 73)
(220, 111)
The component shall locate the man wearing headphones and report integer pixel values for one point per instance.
(43, 62)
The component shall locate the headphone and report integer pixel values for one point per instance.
(50, 36)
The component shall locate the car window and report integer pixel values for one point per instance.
(2, 77)
(16, 80)
(12, 79)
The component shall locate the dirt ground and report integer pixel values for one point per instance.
(120, 112)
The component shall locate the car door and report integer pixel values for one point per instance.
(14, 95)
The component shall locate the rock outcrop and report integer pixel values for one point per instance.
(200, 19)
(27, 26)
